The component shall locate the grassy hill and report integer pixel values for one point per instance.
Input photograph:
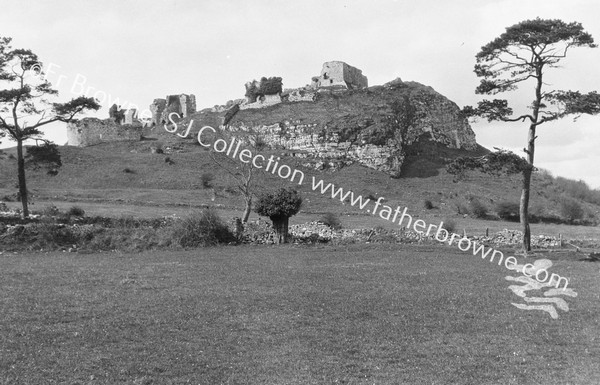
(129, 178)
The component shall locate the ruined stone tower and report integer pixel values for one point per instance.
(339, 74)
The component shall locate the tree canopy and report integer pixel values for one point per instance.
(282, 203)
(521, 53)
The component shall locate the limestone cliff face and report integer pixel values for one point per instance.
(371, 126)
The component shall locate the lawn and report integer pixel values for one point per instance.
(356, 314)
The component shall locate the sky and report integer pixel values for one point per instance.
(132, 52)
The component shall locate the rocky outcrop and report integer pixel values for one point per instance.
(371, 126)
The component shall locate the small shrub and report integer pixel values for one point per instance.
(205, 228)
(478, 209)
(76, 211)
(449, 225)
(461, 208)
(51, 211)
(127, 222)
(207, 179)
(232, 190)
(46, 153)
(428, 204)
(508, 211)
(331, 220)
(370, 195)
(259, 143)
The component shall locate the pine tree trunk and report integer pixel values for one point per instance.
(524, 210)
(22, 183)
(524, 204)
(280, 225)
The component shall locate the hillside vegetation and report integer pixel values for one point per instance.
(135, 173)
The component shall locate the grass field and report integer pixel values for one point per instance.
(358, 314)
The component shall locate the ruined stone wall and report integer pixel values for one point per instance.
(301, 96)
(183, 105)
(262, 102)
(188, 104)
(157, 107)
(91, 131)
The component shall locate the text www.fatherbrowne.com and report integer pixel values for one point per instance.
(398, 215)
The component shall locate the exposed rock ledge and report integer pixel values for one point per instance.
(372, 126)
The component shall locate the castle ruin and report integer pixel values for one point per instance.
(91, 131)
(337, 74)
(183, 105)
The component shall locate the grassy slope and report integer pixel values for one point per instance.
(350, 315)
(93, 178)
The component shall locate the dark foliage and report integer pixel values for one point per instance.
(331, 220)
(76, 211)
(449, 225)
(266, 86)
(45, 154)
(478, 209)
(205, 228)
(285, 202)
(207, 179)
(508, 211)
(495, 163)
(571, 210)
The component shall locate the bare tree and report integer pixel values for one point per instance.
(243, 175)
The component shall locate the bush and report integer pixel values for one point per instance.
(331, 220)
(203, 228)
(207, 179)
(509, 211)
(478, 209)
(571, 210)
(369, 195)
(428, 204)
(51, 211)
(449, 225)
(461, 208)
(126, 222)
(76, 211)
(232, 190)
(46, 153)
(266, 86)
